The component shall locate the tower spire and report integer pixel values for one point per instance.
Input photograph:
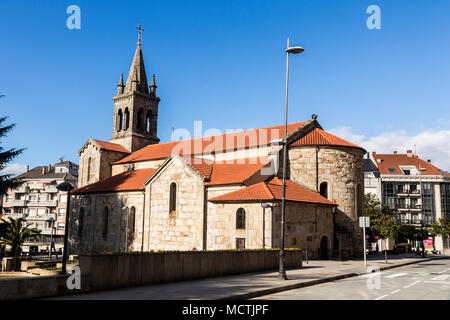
(153, 86)
(120, 86)
(137, 69)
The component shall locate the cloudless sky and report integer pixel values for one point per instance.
(221, 62)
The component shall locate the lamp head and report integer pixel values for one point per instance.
(65, 186)
(295, 50)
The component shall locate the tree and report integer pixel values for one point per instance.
(383, 222)
(406, 232)
(441, 228)
(7, 181)
(15, 235)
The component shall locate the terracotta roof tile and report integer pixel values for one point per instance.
(271, 191)
(320, 137)
(241, 139)
(111, 146)
(394, 161)
(126, 181)
(235, 172)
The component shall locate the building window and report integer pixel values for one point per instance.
(32, 212)
(240, 243)
(42, 198)
(119, 120)
(173, 197)
(427, 203)
(324, 189)
(407, 172)
(105, 222)
(240, 218)
(148, 121)
(60, 226)
(445, 199)
(132, 220)
(389, 195)
(61, 212)
(63, 198)
(391, 170)
(126, 119)
(8, 198)
(80, 223)
(32, 198)
(89, 169)
(41, 212)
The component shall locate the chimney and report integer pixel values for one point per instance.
(28, 167)
(429, 160)
(60, 160)
(395, 152)
(44, 170)
(409, 153)
(374, 153)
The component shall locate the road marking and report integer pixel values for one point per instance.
(395, 291)
(372, 274)
(381, 297)
(392, 276)
(444, 270)
(441, 277)
(410, 285)
(443, 282)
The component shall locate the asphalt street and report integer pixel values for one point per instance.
(424, 281)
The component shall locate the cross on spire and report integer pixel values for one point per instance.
(139, 27)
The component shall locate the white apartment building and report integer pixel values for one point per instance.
(416, 189)
(41, 203)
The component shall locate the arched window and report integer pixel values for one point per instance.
(89, 169)
(140, 119)
(119, 120)
(148, 121)
(80, 223)
(240, 218)
(126, 119)
(105, 222)
(173, 197)
(131, 220)
(324, 189)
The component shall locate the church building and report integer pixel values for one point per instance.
(211, 193)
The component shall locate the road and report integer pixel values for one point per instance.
(424, 281)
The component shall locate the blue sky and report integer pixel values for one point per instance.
(223, 62)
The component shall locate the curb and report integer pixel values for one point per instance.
(263, 292)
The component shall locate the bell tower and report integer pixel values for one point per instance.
(135, 106)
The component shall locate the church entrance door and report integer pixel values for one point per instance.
(324, 248)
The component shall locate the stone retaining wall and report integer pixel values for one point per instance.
(118, 270)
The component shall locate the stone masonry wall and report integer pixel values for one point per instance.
(90, 239)
(342, 169)
(182, 229)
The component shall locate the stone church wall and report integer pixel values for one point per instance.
(90, 239)
(182, 229)
(342, 169)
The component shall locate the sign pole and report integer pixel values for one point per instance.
(364, 246)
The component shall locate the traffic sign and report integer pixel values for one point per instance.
(364, 222)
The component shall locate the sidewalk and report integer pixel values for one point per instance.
(250, 285)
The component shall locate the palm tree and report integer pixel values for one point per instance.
(15, 235)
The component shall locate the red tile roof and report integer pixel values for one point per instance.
(111, 146)
(394, 161)
(241, 139)
(271, 191)
(235, 172)
(126, 181)
(320, 137)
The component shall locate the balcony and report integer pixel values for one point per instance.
(51, 189)
(19, 203)
(47, 203)
(22, 189)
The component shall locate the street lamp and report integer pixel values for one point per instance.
(421, 231)
(52, 222)
(65, 186)
(282, 271)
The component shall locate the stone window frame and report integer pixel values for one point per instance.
(329, 188)
(132, 220)
(148, 121)
(173, 197)
(326, 191)
(240, 240)
(89, 165)
(241, 220)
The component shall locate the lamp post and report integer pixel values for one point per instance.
(282, 271)
(421, 231)
(52, 221)
(65, 186)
